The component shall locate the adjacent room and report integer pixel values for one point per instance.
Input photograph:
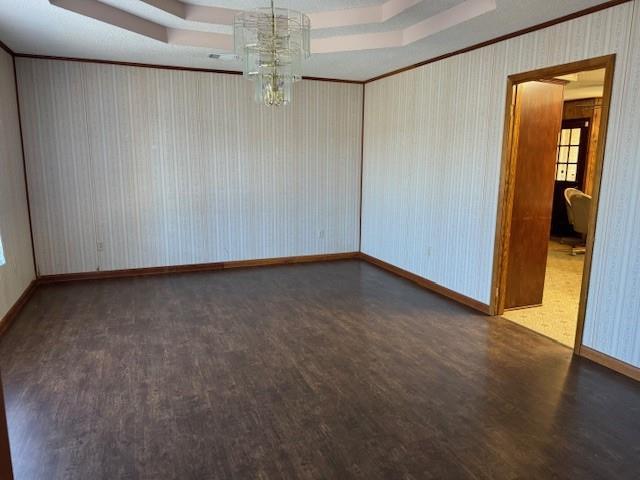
(554, 208)
(348, 239)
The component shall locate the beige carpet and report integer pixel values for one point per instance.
(557, 318)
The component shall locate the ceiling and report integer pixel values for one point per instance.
(589, 84)
(344, 38)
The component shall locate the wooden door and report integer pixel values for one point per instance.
(537, 121)
(573, 145)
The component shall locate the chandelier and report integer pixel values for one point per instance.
(272, 43)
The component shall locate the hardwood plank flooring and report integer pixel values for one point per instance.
(321, 371)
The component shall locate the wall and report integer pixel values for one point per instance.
(135, 167)
(17, 273)
(433, 142)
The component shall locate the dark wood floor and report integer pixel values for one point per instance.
(326, 371)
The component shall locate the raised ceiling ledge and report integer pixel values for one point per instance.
(219, 42)
(319, 20)
(195, 13)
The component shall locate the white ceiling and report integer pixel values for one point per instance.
(302, 5)
(581, 85)
(422, 10)
(37, 27)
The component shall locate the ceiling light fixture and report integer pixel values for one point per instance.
(272, 42)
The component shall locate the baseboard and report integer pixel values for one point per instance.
(586, 352)
(199, 267)
(610, 362)
(428, 284)
(13, 312)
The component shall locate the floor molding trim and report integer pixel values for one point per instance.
(428, 284)
(610, 362)
(17, 307)
(198, 267)
(6, 322)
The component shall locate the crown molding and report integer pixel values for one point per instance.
(502, 38)
(168, 67)
(6, 48)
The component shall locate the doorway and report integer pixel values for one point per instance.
(555, 130)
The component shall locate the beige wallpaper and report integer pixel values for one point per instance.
(613, 315)
(134, 167)
(433, 141)
(18, 272)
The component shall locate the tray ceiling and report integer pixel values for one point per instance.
(353, 39)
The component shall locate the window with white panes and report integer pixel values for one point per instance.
(568, 154)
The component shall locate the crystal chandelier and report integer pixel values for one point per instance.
(272, 42)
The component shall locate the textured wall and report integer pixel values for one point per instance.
(613, 315)
(18, 272)
(429, 185)
(133, 167)
(433, 142)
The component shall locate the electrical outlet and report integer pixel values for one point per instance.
(321, 233)
(100, 246)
